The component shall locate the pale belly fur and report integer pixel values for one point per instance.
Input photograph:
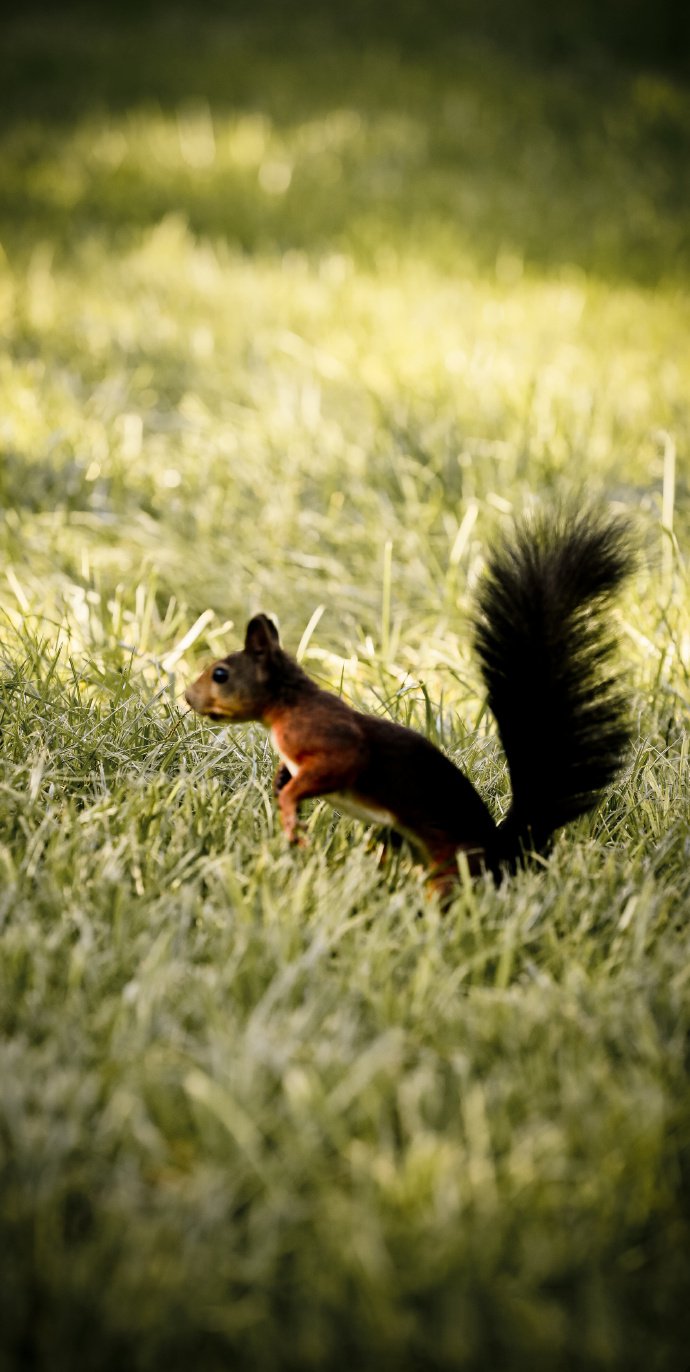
(371, 814)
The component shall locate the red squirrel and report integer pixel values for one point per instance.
(545, 648)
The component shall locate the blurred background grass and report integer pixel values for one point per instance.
(296, 306)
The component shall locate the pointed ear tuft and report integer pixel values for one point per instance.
(262, 637)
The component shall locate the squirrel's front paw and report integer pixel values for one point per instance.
(293, 831)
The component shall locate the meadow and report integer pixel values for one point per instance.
(296, 312)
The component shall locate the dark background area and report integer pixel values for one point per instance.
(634, 31)
(560, 134)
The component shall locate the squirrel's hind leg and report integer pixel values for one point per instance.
(442, 861)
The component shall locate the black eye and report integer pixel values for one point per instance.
(220, 674)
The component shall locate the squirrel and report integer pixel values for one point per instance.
(543, 637)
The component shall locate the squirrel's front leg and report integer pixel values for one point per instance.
(289, 813)
(312, 780)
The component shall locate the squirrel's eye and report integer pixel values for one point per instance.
(220, 674)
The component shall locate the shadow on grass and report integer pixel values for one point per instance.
(280, 136)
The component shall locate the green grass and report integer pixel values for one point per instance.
(292, 328)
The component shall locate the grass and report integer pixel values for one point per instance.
(291, 328)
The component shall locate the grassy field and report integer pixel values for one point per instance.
(292, 322)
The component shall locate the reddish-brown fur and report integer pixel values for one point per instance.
(545, 650)
(388, 773)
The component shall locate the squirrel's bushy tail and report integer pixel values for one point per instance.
(545, 647)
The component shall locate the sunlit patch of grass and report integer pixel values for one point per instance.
(303, 347)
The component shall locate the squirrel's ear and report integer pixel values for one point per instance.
(261, 637)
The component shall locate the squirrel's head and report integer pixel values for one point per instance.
(242, 686)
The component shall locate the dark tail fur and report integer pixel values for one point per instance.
(545, 647)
